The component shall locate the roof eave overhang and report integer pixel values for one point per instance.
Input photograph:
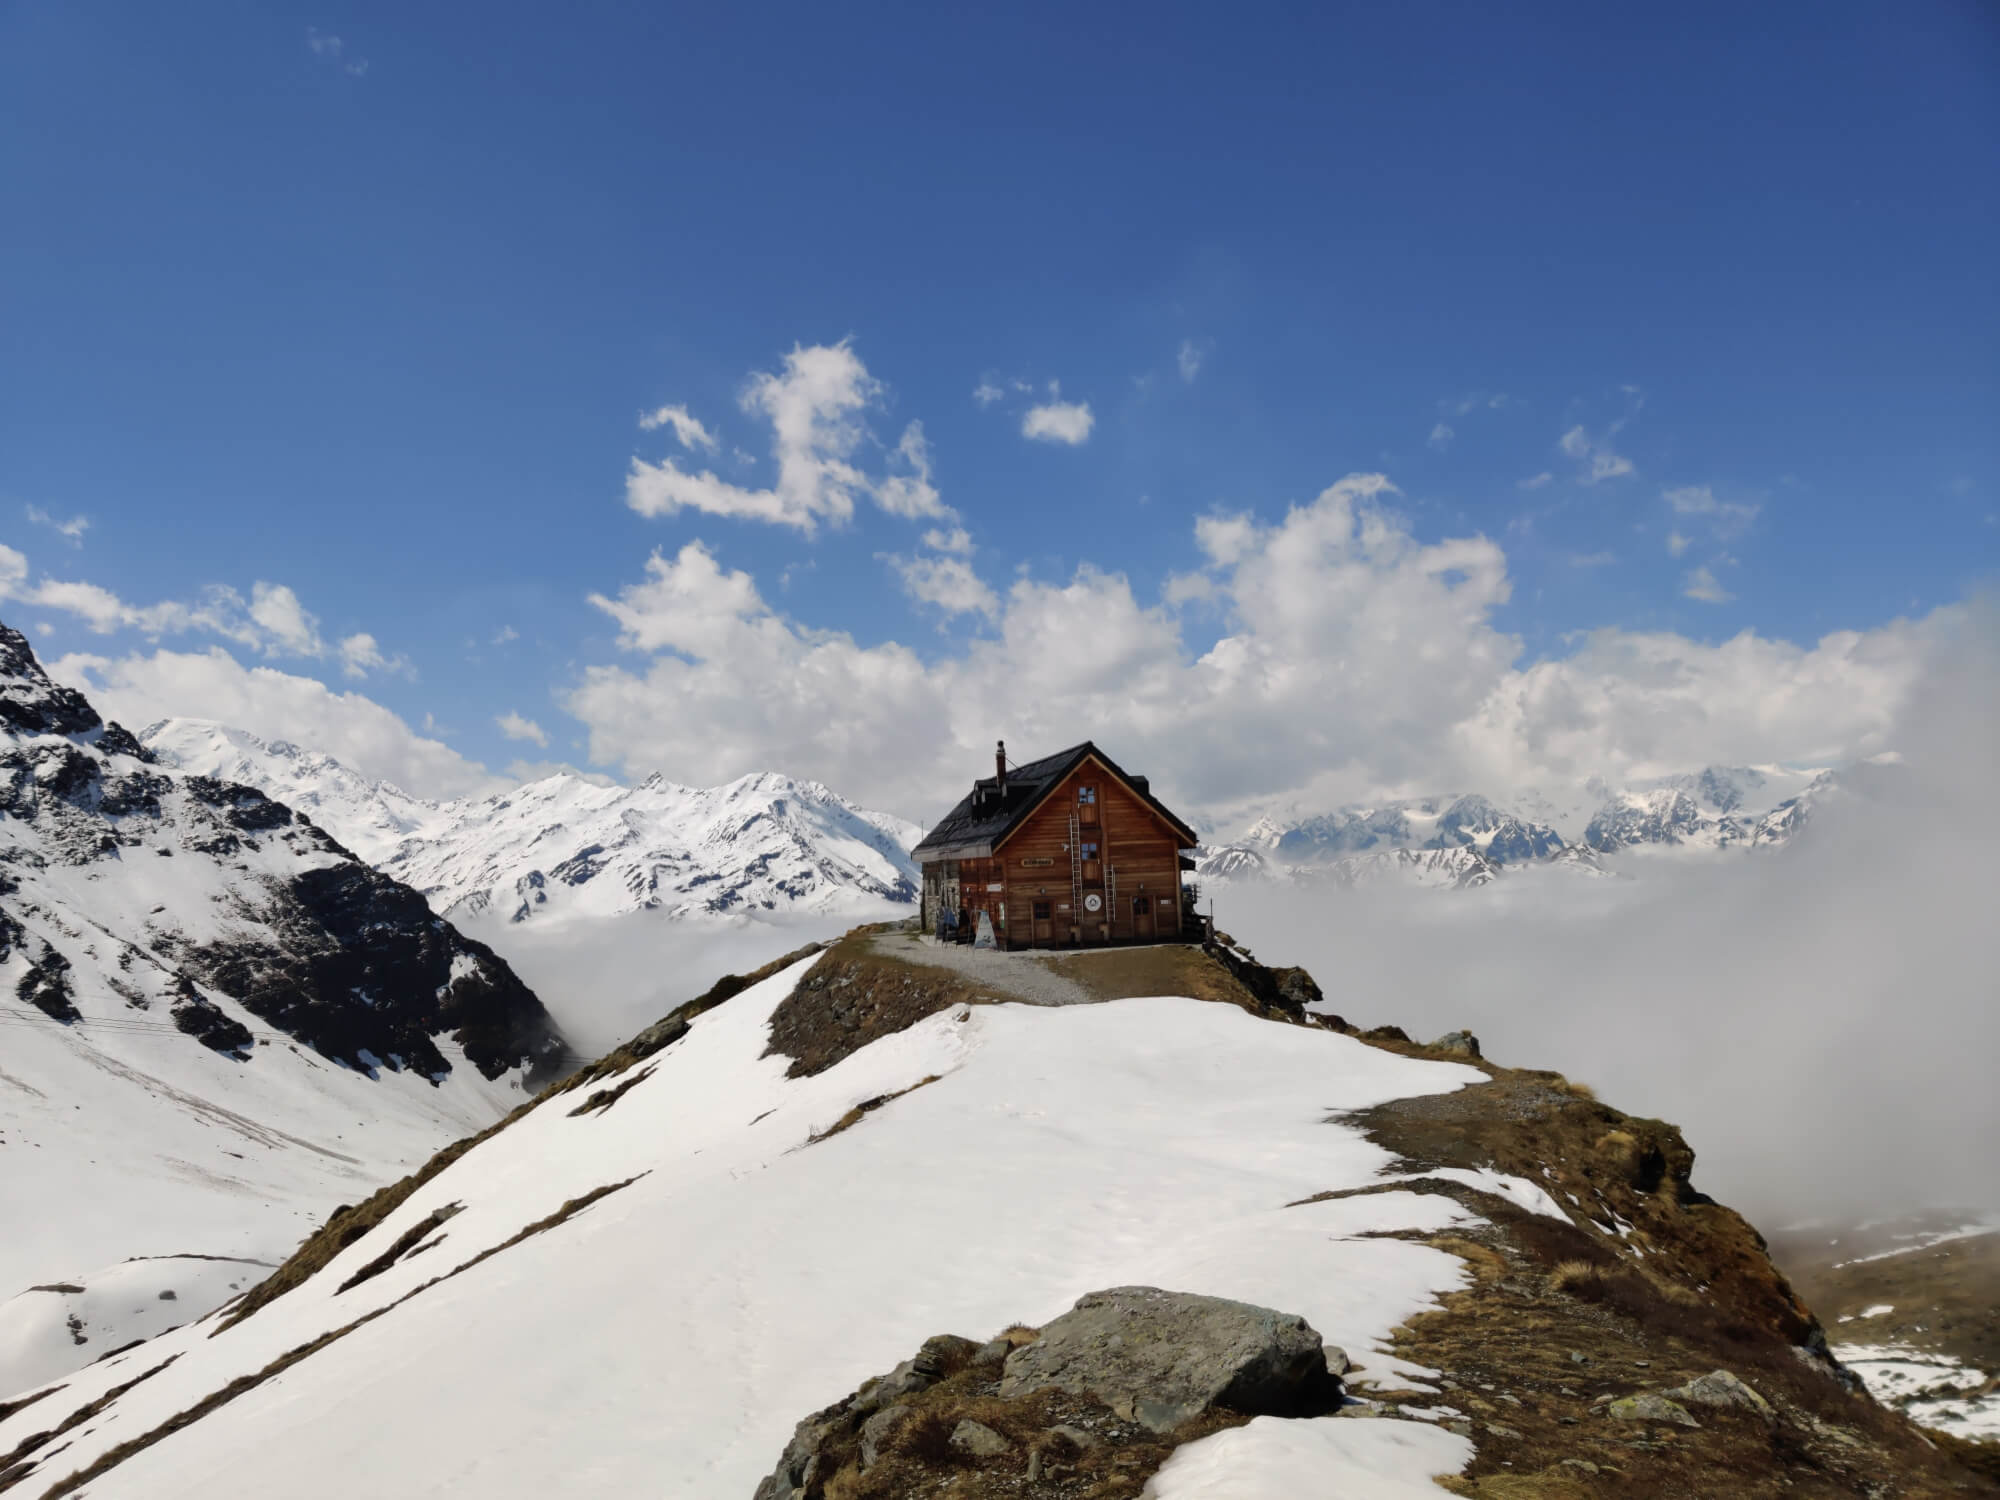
(931, 854)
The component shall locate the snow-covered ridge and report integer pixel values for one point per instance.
(736, 1272)
(564, 845)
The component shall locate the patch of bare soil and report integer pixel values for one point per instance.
(1169, 969)
(874, 983)
(1651, 1285)
(856, 995)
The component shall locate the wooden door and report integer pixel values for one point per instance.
(1045, 926)
(1094, 917)
(1142, 918)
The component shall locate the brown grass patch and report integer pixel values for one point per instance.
(866, 1107)
(1170, 969)
(1579, 1313)
(602, 1099)
(14, 1466)
(405, 1243)
(856, 995)
(8, 1408)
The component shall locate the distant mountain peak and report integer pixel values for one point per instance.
(764, 842)
(1715, 808)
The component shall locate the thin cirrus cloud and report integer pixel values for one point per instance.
(332, 50)
(1726, 518)
(70, 531)
(1702, 584)
(1595, 459)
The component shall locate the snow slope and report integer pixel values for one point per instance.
(215, 1024)
(665, 1339)
(56, 1327)
(563, 845)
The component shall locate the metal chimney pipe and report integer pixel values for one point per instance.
(1000, 766)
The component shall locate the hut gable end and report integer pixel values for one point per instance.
(1067, 850)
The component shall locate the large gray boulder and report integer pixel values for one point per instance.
(1719, 1388)
(1161, 1358)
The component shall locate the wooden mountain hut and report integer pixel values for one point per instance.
(1066, 851)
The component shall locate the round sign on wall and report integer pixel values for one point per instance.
(1092, 902)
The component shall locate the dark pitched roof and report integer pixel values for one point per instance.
(987, 815)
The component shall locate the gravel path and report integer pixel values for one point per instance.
(1019, 976)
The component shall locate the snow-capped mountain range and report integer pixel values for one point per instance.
(565, 845)
(1459, 842)
(215, 1022)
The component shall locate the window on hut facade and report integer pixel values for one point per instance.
(1086, 804)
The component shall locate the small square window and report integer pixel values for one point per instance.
(1090, 851)
(1086, 794)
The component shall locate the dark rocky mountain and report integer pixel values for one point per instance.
(129, 888)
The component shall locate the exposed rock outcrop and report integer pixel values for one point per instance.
(1110, 1388)
(1162, 1358)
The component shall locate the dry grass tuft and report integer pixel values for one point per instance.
(866, 1107)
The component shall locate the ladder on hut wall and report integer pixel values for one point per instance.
(1075, 874)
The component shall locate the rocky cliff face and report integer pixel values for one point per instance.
(132, 893)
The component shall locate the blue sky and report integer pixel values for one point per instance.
(1691, 317)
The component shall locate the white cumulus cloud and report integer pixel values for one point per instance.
(816, 405)
(687, 428)
(515, 727)
(1059, 422)
(139, 689)
(1353, 658)
(947, 584)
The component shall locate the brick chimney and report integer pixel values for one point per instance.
(1000, 766)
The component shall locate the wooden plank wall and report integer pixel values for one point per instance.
(1135, 844)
